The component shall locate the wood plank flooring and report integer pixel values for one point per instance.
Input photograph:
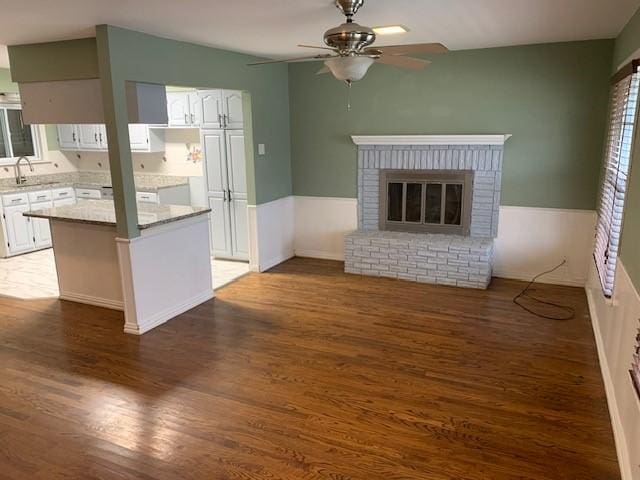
(306, 373)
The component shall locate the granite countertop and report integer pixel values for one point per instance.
(102, 212)
(144, 183)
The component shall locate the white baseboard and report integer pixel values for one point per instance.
(552, 278)
(270, 263)
(323, 255)
(95, 301)
(164, 316)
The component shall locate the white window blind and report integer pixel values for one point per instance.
(615, 175)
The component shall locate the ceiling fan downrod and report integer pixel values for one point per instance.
(349, 8)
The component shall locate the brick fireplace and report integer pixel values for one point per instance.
(405, 230)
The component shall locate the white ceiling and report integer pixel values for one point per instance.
(272, 28)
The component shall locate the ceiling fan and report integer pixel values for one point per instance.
(352, 52)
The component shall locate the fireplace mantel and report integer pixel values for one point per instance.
(430, 139)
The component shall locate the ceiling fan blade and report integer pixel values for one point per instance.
(403, 62)
(411, 49)
(316, 47)
(323, 70)
(298, 59)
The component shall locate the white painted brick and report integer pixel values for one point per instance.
(447, 281)
(426, 279)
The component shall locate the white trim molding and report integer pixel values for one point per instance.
(430, 139)
(615, 325)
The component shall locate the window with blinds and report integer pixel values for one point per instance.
(615, 175)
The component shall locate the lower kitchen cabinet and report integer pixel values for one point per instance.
(18, 228)
(22, 234)
(41, 227)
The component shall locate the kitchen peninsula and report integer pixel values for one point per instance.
(169, 275)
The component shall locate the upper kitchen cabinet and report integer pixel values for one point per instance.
(179, 109)
(145, 139)
(209, 109)
(68, 137)
(90, 137)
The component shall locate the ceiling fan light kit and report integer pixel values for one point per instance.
(352, 53)
(349, 69)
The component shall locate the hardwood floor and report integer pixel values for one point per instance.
(306, 373)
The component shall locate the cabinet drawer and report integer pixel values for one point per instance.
(63, 193)
(41, 196)
(15, 199)
(88, 193)
(147, 197)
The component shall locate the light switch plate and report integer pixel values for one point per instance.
(261, 149)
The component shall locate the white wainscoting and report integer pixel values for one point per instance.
(271, 232)
(165, 272)
(320, 226)
(615, 325)
(531, 240)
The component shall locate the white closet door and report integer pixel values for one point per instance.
(210, 103)
(178, 108)
(236, 162)
(214, 149)
(233, 109)
(89, 138)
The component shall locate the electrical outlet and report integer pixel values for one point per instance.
(261, 149)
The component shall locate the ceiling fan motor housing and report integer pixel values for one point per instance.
(349, 38)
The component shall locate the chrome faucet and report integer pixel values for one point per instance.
(21, 179)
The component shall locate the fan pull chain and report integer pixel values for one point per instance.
(348, 95)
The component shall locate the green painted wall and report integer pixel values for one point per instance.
(146, 58)
(552, 98)
(6, 85)
(627, 43)
(65, 60)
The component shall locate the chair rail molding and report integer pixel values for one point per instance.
(363, 140)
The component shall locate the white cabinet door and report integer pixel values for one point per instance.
(88, 137)
(102, 136)
(232, 100)
(67, 137)
(178, 109)
(19, 232)
(220, 228)
(195, 109)
(41, 227)
(210, 102)
(236, 165)
(214, 149)
(139, 136)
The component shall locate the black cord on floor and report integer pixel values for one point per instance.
(569, 312)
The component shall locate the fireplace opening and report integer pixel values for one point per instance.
(434, 201)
